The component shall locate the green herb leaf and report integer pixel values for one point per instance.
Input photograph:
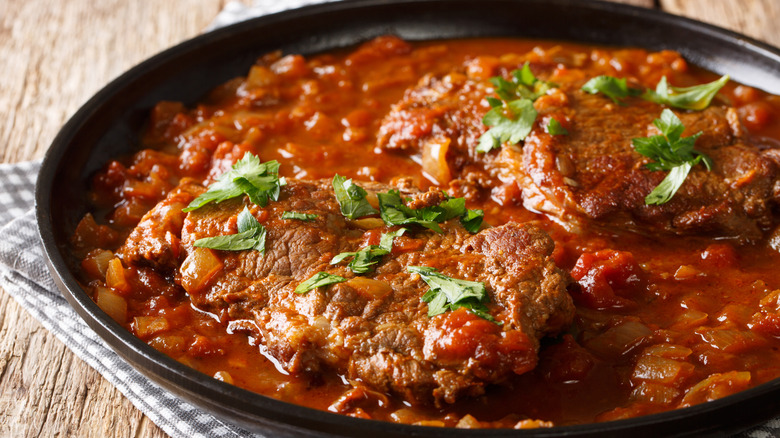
(555, 128)
(251, 235)
(386, 241)
(493, 102)
(394, 212)
(672, 153)
(364, 259)
(512, 117)
(524, 75)
(351, 198)
(611, 87)
(664, 191)
(318, 280)
(259, 181)
(696, 97)
(448, 293)
(472, 220)
(510, 123)
(306, 217)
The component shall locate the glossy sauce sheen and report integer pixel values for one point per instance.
(657, 315)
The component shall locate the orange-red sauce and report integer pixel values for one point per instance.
(708, 304)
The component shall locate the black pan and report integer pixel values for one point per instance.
(108, 126)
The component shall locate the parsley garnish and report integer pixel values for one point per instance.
(512, 117)
(472, 220)
(306, 217)
(364, 259)
(611, 87)
(508, 123)
(672, 153)
(554, 128)
(251, 235)
(448, 293)
(386, 241)
(259, 181)
(351, 198)
(696, 97)
(524, 85)
(318, 280)
(395, 212)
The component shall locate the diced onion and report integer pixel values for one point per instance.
(95, 264)
(730, 340)
(260, 76)
(150, 325)
(686, 272)
(111, 303)
(429, 423)
(617, 340)
(434, 159)
(199, 267)
(468, 422)
(224, 376)
(116, 277)
(662, 370)
(405, 416)
(370, 288)
(172, 345)
(655, 393)
(690, 319)
(716, 386)
(670, 351)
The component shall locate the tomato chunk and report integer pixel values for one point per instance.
(607, 279)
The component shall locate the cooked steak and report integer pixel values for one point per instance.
(374, 327)
(593, 174)
(155, 241)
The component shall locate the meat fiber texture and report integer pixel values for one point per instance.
(374, 329)
(592, 176)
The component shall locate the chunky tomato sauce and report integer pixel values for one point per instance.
(662, 321)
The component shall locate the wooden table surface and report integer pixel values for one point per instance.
(54, 54)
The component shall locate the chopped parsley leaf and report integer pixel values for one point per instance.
(394, 212)
(672, 153)
(696, 97)
(611, 87)
(508, 123)
(554, 128)
(386, 241)
(364, 259)
(318, 280)
(306, 217)
(259, 181)
(351, 198)
(251, 235)
(512, 117)
(448, 293)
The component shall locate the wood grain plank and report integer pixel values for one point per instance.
(754, 18)
(54, 55)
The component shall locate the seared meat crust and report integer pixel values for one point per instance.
(374, 328)
(593, 175)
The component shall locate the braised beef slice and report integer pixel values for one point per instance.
(374, 328)
(593, 175)
(155, 241)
